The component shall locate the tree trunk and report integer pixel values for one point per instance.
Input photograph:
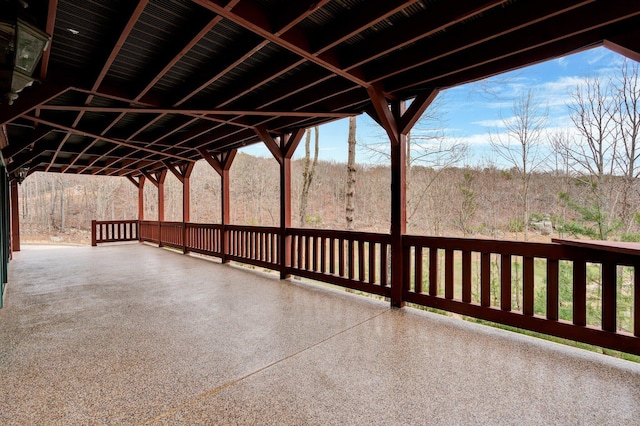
(308, 172)
(351, 173)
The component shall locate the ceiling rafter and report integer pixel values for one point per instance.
(94, 136)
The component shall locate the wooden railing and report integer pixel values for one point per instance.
(150, 231)
(172, 235)
(355, 260)
(584, 292)
(525, 284)
(204, 239)
(254, 245)
(109, 231)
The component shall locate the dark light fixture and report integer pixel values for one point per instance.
(21, 174)
(21, 47)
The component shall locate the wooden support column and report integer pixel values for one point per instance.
(141, 182)
(140, 185)
(15, 217)
(397, 122)
(157, 179)
(221, 163)
(183, 174)
(160, 177)
(282, 149)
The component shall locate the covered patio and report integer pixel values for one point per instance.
(129, 334)
(135, 334)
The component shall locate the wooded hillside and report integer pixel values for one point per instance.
(473, 202)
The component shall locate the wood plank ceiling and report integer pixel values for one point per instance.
(132, 86)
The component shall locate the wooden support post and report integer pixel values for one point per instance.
(282, 150)
(15, 217)
(140, 185)
(93, 234)
(397, 122)
(221, 163)
(141, 182)
(160, 177)
(185, 171)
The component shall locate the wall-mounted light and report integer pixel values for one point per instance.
(21, 174)
(21, 47)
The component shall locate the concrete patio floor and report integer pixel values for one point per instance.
(131, 334)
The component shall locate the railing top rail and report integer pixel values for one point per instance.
(347, 235)
(203, 225)
(247, 228)
(621, 247)
(108, 222)
(517, 248)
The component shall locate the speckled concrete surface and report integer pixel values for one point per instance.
(131, 334)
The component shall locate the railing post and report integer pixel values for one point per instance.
(184, 238)
(159, 233)
(93, 233)
(15, 217)
(397, 121)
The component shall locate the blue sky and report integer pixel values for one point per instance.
(469, 112)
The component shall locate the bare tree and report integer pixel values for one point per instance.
(430, 151)
(594, 154)
(627, 122)
(308, 172)
(351, 174)
(519, 145)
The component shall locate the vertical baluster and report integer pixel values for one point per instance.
(332, 255)
(307, 252)
(609, 307)
(433, 271)
(323, 254)
(485, 279)
(301, 247)
(528, 286)
(372, 262)
(448, 274)
(466, 276)
(552, 289)
(316, 240)
(579, 292)
(384, 249)
(636, 301)
(341, 257)
(361, 263)
(505, 282)
(418, 269)
(351, 259)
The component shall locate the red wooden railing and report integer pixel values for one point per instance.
(443, 273)
(150, 231)
(109, 231)
(254, 245)
(355, 260)
(547, 288)
(204, 239)
(172, 234)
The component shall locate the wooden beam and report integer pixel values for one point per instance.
(200, 113)
(627, 45)
(29, 99)
(416, 109)
(151, 178)
(106, 139)
(213, 162)
(383, 113)
(253, 19)
(173, 170)
(270, 143)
